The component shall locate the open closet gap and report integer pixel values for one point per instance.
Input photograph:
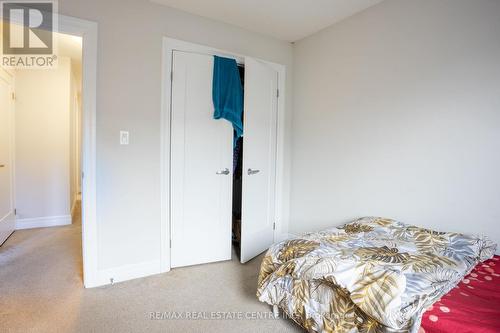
(238, 180)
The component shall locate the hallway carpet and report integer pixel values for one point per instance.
(41, 290)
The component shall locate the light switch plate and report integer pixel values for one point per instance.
(124, 137)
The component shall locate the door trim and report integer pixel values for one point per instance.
(169, 45)
(88, 31)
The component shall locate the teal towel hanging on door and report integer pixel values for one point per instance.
(227, 93)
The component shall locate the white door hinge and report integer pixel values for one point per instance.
(13, 96)
(15, 211)
(274, 226)
(170, 244)
(277, 93)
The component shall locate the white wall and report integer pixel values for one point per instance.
(42, 131)
(397, 114)
(129, 98)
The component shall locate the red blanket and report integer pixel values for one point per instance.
(472, 306)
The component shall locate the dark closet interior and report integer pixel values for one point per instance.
(238, 180)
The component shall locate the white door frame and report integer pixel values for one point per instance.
(88, 31)
(169, 45)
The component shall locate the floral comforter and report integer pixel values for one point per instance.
(371, 275)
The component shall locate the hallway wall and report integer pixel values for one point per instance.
(42, 149)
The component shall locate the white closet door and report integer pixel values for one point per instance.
(201, 167)
(7, 218)
(259, 158)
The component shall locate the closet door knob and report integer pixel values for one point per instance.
(2, 165)
(252, 172)
(223, 172)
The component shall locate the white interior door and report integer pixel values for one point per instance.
(7, 218)
(259, 158)
(201, 166)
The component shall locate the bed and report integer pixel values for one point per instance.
(370, 275)
(472, 306)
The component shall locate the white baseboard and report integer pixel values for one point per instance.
(125, 273)
(43, 222)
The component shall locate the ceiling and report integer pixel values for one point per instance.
(288, 20)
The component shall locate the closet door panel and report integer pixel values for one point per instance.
(259, 158)
(7, 217)
(201, 147)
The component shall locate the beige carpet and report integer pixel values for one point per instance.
(41, 290)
